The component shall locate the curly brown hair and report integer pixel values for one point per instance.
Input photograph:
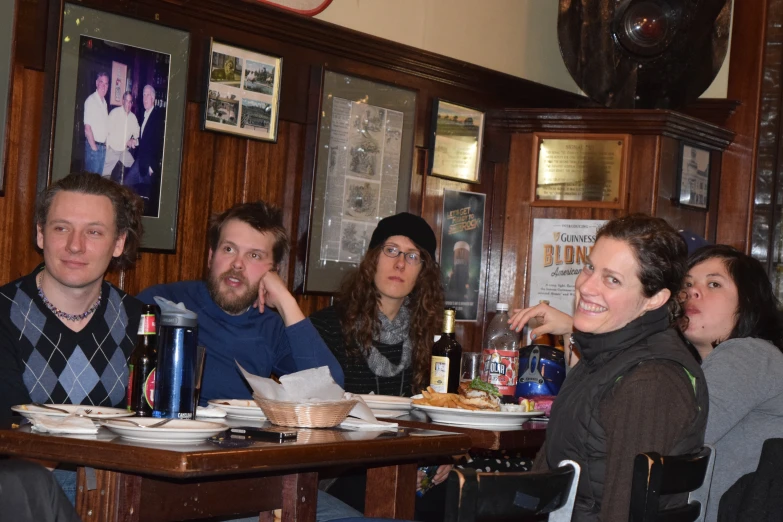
(359, 315)
(127, 206)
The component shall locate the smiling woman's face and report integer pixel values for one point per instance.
(710, 305)
(609, 294)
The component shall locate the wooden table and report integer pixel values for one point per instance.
(526, 439)
(135, 482)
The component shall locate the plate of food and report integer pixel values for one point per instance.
(177, 431)
(387, 402)
(476, 404)
(239, 408)
(63, 410)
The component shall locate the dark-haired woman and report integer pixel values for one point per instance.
(381, 328)
(733, 322)
(388, 311)
(636, 387)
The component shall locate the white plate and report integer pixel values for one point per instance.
(387, 402)
(483, 419)
(177, 431)
(98, 412)
(389, 414)
(239, 408)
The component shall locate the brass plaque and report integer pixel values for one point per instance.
(579, 170)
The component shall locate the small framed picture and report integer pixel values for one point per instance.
(693, 177)
(457, 135)
(243, 92)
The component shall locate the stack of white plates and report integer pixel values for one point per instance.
(387, 406)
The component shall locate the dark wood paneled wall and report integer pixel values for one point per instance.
(220, 170)
(653, 149)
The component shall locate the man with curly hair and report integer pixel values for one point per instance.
(65, 332)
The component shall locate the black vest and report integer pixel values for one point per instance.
(575, 431)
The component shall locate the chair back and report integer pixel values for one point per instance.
(473, 496)
(655, 476)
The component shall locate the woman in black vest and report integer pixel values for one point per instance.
(636, 387)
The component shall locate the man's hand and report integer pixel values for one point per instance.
(273, 292)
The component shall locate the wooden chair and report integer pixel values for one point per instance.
(655, 476)
(473, 496)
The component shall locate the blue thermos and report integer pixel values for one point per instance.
(176, 370)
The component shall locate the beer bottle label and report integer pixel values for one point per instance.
(147, 324)
(129, 391)
(439, 374)
(149, 389)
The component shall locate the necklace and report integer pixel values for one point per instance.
(65, 315)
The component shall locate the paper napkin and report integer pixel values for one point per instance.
(69, 424)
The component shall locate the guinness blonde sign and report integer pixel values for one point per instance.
(580, 170)
(559, 250)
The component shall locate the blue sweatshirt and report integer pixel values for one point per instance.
(260, 342)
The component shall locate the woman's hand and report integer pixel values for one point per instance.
(552, 320)
(440, 475)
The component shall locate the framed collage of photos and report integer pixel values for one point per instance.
(362, 173)
(243, 92)
(115, 113)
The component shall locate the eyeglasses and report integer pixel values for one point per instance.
(412, 258)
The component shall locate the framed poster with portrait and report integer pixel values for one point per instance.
(457, 137)
(117, 86)
(137, 143)
(362, 173)
(693, 177)
(243, 92)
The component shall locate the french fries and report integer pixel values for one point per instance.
(452, 400)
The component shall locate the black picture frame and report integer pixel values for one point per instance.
(246, 104)
(318, 271)
(456, 141)
(156, 58)
(7, 41)
(692, 188)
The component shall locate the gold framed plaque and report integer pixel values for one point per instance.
(580, 170)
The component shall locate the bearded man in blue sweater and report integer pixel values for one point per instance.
(246, 244)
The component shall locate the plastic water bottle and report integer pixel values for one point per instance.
(500, 354)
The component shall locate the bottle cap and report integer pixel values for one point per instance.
(502, 307)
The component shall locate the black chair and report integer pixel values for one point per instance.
(655, 476)
(474, 496)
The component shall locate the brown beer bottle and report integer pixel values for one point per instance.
(141, 382)
(446, 357)
(544, 339)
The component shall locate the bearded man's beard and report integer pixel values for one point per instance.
(229, 302)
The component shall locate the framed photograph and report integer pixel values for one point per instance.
(361, 174)
(7, 21)
(243, 92)
(693, 177)
(139, 142)
(457, 137)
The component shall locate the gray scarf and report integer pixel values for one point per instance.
(391, 332)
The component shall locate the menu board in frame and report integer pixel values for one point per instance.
(579, 170)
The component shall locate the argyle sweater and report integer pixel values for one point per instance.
(42, 360)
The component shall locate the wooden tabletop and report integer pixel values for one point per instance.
(527, 438)
(125, 481)
(313, 448)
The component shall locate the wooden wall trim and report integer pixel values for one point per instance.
(714, 110)
(613, 121)
(739, 161)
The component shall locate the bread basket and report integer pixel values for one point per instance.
(324, 414)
